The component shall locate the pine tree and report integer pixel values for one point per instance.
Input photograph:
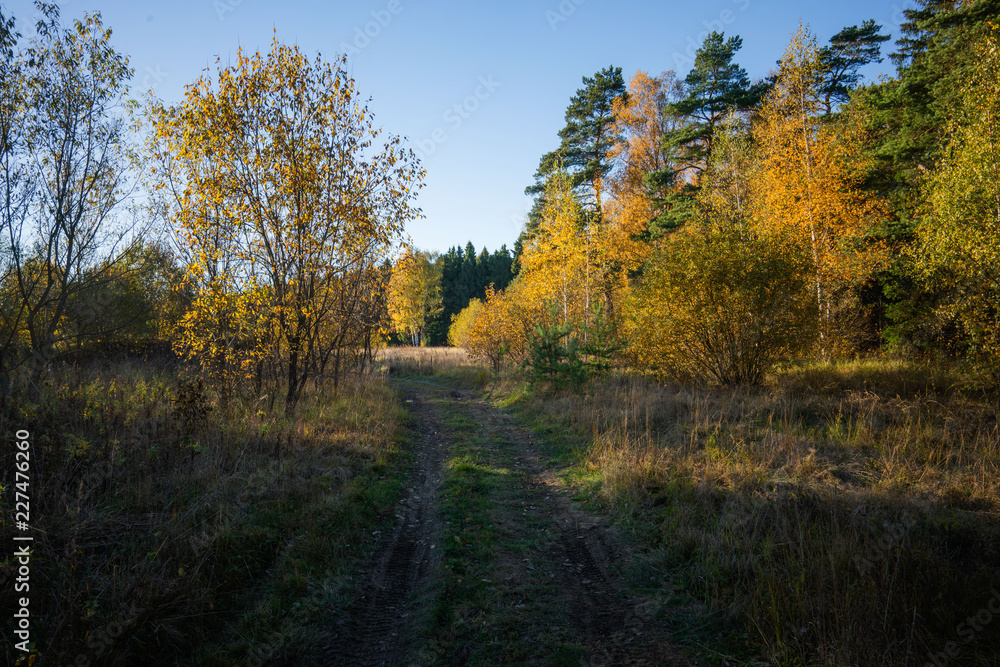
(716, 86)
(500, 269)
(467, 280)
(451, 264)
(932, 58)
(850, 49)
(482, 273)
(587, 139)
(905, 120)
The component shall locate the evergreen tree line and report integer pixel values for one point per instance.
(465, 275)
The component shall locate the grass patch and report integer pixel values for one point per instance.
(498, 602)
(177, 531)
(844, 514)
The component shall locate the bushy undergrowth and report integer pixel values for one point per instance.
(168, 529)
(720, 305)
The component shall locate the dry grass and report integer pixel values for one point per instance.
(844, 515)
(450, 362)
(848, 513)
(164, 523)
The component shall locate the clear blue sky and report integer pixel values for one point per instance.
(420, 58)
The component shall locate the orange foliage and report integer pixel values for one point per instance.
(642, 120)
(809, 176)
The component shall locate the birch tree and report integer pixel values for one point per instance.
(809, 177)
(283, 193)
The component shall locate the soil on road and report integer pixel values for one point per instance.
(491, 561)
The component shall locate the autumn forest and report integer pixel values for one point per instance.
(730, 396)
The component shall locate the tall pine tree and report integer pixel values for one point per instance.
(587, 140)
(716, 86)
(849, 50)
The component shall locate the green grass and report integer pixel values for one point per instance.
(498, 603)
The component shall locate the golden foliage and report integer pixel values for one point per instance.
(502, 330)
(461, 324)
(561, 274)
(414, 294)
(282, 200)
(493, 334)
(556, 265)
(643, 119)
(808, 178)
(718, 305)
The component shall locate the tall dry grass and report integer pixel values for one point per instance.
(169, 528)
(846, 514)
(451, 362)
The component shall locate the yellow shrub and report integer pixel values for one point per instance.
(502, 327)
(715, 305)
(461, 324)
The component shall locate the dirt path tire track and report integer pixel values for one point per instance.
(378, 628)
(616, 629)
(382, 627)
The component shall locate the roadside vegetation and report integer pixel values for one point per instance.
(757, 323)
(842, 513)
(211, 458)
(176, 530)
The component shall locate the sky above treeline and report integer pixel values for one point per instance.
(480, 89)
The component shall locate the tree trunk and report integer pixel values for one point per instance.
(292, 395)
(336, 371)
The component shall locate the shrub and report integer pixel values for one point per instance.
(719, 305)
(502, 328)
(461, 324)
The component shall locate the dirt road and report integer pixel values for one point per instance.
(490, 561)
(380, 628)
